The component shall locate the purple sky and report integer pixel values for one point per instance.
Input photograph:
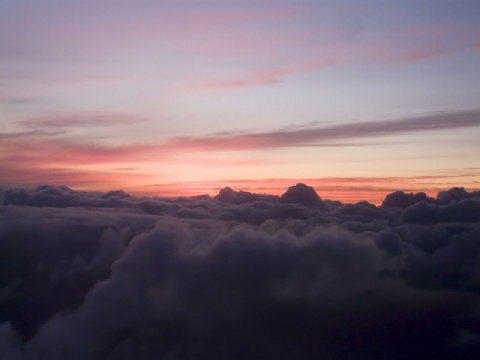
(194, 94)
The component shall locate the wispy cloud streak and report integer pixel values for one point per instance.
(47, 147)
(317, 135)
(12, 135)
(259, 78)
(93, 119)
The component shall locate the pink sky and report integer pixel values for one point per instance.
(356, 98)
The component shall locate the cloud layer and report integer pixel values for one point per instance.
(239, 275)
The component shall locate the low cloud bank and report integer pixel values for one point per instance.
(240, 276)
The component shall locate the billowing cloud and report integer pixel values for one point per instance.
(403, 200)
(239, 275)
(302, 194)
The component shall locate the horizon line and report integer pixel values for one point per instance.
(342, 193)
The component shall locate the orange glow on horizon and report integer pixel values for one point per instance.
(346, 190)
(147, 180)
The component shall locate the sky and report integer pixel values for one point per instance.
(355, 98)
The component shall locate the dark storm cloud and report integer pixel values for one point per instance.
(239, 276)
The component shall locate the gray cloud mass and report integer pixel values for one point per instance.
(87, 275)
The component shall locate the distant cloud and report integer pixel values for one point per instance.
(43, 150)
(31, 174)
(93, 119)
(302, 136)
(317, 135)
(397, 46)
(46, 155)
(259, 78)
(17, 100)
(28, 134)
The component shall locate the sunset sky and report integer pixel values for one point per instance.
(355, 98)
